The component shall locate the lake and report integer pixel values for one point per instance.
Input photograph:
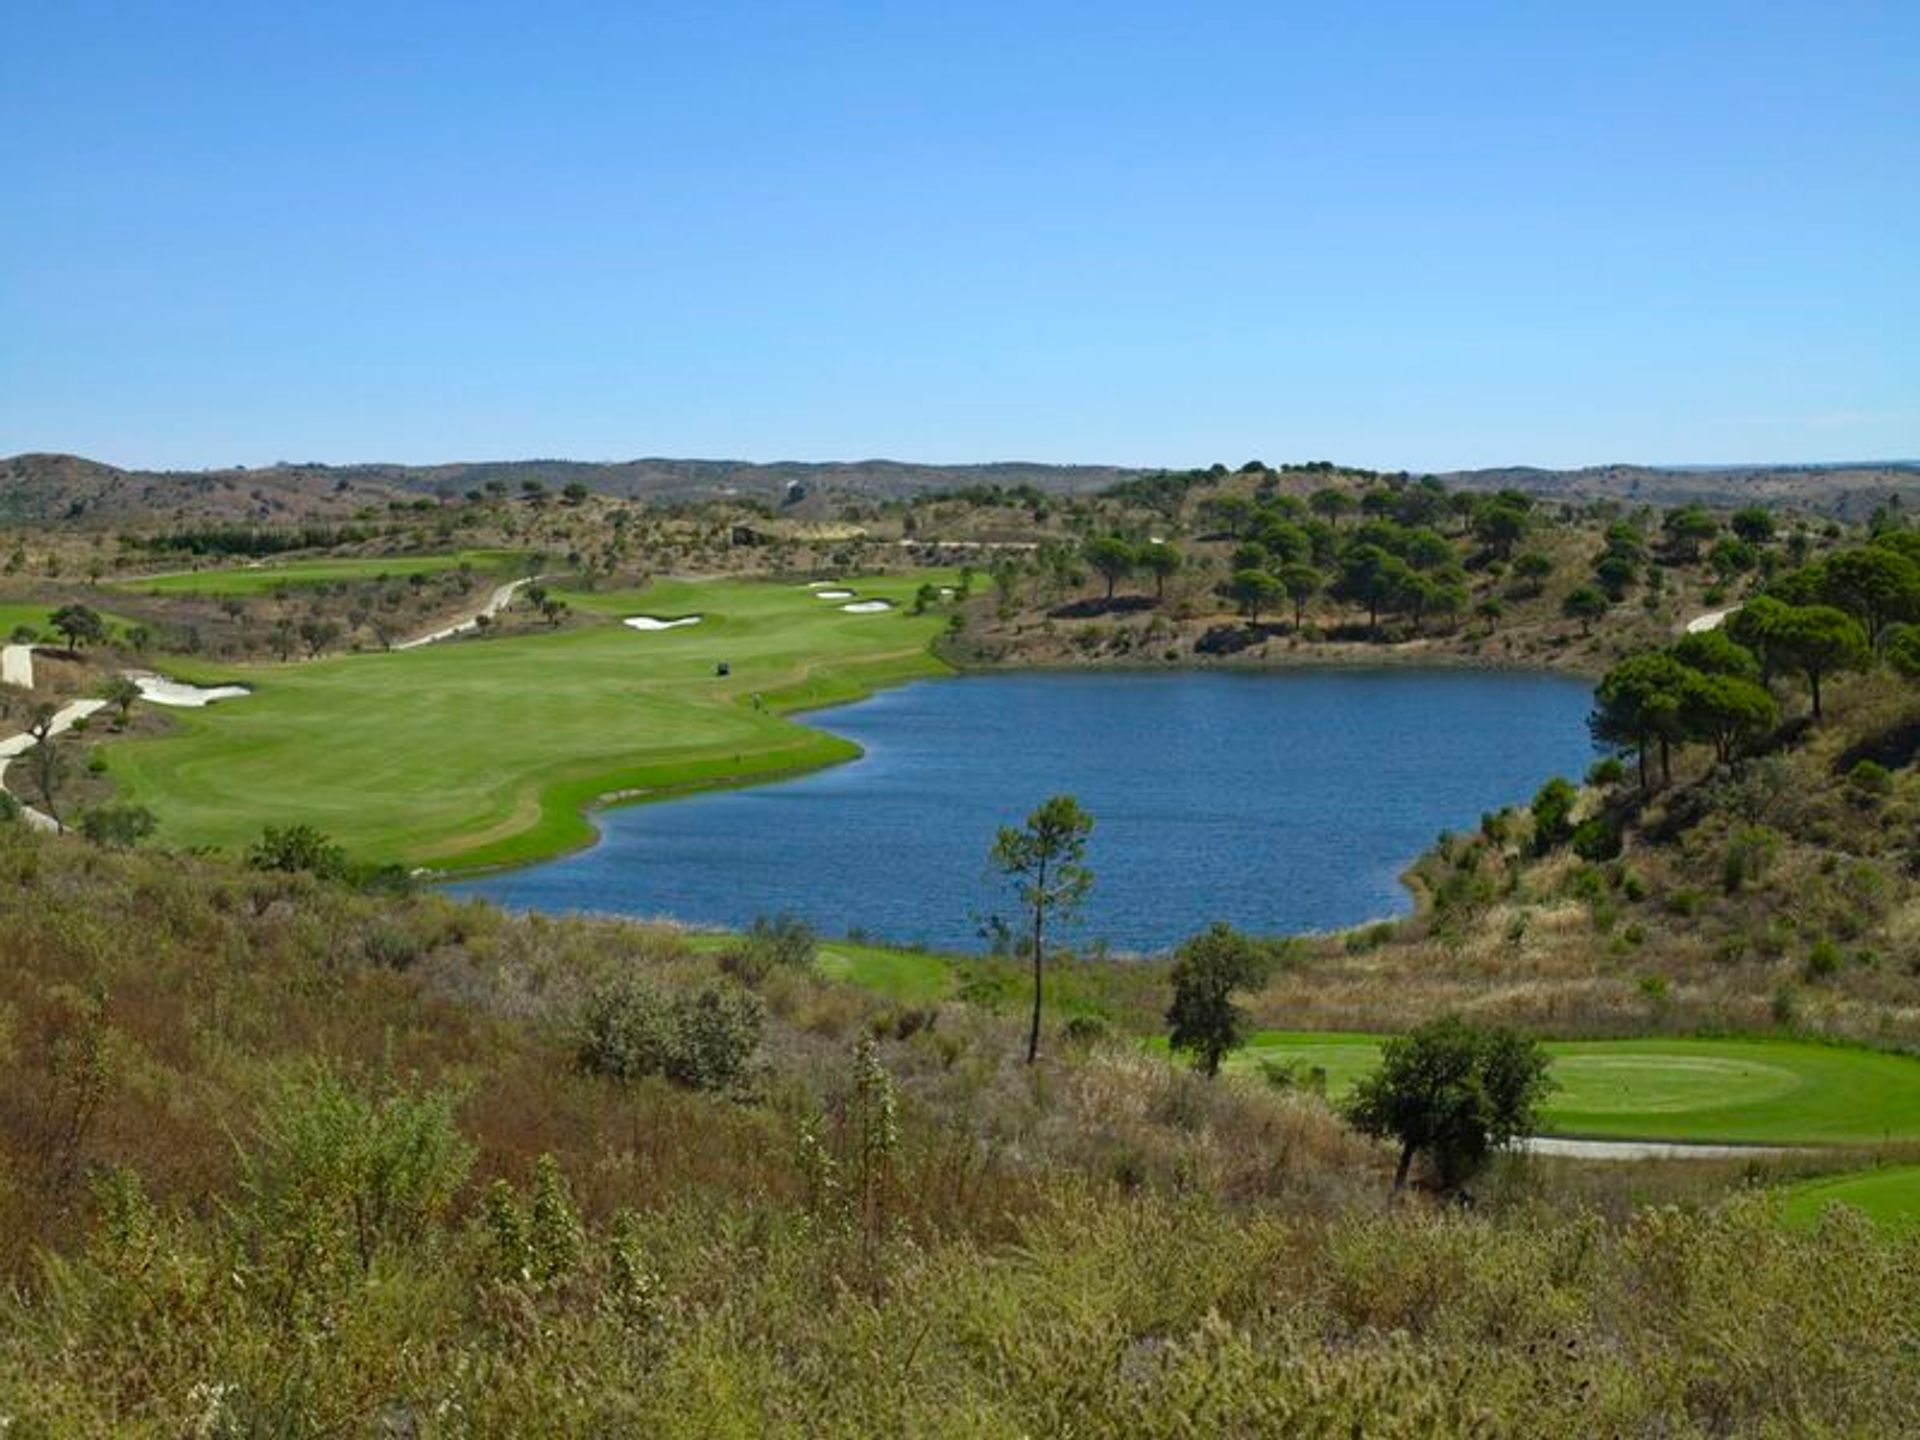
(1278, 802)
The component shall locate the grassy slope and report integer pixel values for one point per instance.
(1759, 1091)
(262, 579)
(487, 751)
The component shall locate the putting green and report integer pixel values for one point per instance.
(268, 576)
(1890, 1198)
(1757, 1091)
(487, 751)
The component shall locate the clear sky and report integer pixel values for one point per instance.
(1402, 235)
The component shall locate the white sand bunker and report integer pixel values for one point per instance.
(833, 594)
(867, 607)
(821, 584)
(654, 622)
(159, 690)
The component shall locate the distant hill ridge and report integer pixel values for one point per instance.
(42, 488)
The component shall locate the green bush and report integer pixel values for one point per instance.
(1596, 839)
(1871, 778)
(1824, 960)
(704, 1039)
(771, 943)
(339, 1170)
(117, 826)
(1553, 814)
(298, 848)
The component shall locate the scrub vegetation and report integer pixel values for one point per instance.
(291, 1145)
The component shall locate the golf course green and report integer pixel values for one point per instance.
(269, 576)
(487, 751)
(1736, 1091)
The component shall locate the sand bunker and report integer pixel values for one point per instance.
(654, 622)
(833, 594)
(867, 607)
(1712, 620)
(161, 691)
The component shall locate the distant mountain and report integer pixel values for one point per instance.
(39, 488)
(1849, 491)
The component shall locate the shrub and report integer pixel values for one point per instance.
(117, 826)
(704, 1039)
(1609, 770)
(298, 848)
(1084, 1030)
(338, 1170)
(771, 943)
(1824, 960)
(1750, 851)
(1869, 777)
(1596, 839)
(1553, 814)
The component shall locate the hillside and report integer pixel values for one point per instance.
(1847, 491)
(51, 488)
(44, 488)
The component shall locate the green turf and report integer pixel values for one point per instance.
(486, 751)
(39, 617)
(270, 575)
(1758, 1091)
(911, 976)
(1889, 1197)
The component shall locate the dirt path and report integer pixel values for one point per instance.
(1647, 1149)
(16, 666)
(496, 602)
(14, 746)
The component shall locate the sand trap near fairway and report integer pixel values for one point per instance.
(867, 607)
(159, 690)
(654, 622)
(833, 594)
(1712, 620)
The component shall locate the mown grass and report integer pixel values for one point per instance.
(489, 751)
(263, 579)
(1889, 1197)
(40, 618)
(1736, 1091)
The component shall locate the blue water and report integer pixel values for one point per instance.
(1277, 802)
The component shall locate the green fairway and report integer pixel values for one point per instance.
(1889, 1197)
(268, 575)
(487, 751)
(1757, 1091)
(39, 617)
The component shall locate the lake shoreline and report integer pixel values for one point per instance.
(1166, 748)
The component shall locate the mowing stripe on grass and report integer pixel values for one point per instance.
(489, 751)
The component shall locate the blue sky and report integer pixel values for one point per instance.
(1401, 235)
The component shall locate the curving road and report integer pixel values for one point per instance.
(496, 602)
(14, 746)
